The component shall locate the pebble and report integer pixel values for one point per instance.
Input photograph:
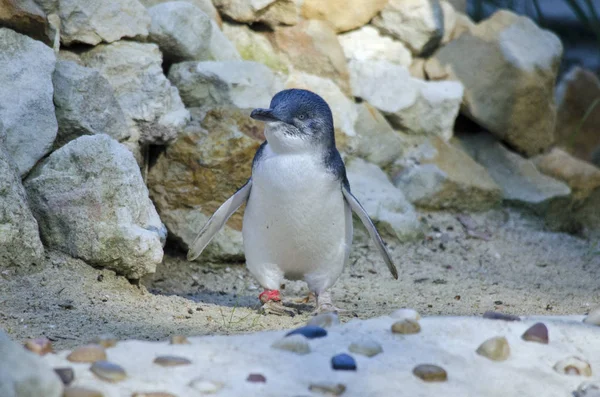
(332, 389)
(405, 314)
(309, 331)
(87, 354)
(324, 320)
(496, 349)
(66, 375)
(108, 371)
(593, 317)
(573, 366)
(153, 394)
(536, 333)
(205, 386)
(179, 340)
(293, 343)
(343, 362)
(39, 346)
(365, 347)
(81, 392)
(406, 327)
(171, 361)
(256, 378)
(430, 373)
(491, 315)
(106, 341)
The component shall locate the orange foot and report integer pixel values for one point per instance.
(269, 295)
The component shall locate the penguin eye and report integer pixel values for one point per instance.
(302, 116)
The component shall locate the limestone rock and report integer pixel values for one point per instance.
(24, 374)
(449, 21)
(508, 67)
(205, 5)
(417, 23)
(90, 202)
(343, 15)
(26, 67)
(181, 30)
(270, 12)
(150, 102)
(85, 104)
(436, 175)
(368, 44)
(243, 84)
(384, 203)
(221, 49)
(26, 17)
(462, 24)
(199, 171)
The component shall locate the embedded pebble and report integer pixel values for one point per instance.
(106, 341)
(39, 346)
(405, 314)
(573, 366)
(205, 386)
(343, 362)
(324, 320)
(430, 373)
(491, 315)
(179, 340)
(496, 349)
(87, 354)
(593, 317)
(406, 327)
(66, 375)
(81, 392)
(108, 371)
(365, 347)
(256, 378)
(171, 361)
(309, 331)
(293, 343)
(536, 333)
(332, 389)
(153, 394)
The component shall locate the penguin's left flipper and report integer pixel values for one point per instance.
(218, 220)
(366, 220)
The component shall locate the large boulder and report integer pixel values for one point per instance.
(26, 17)
(368, 44)
(85, 104)
(220, 48)
(134, 70)
(343, 15)
(205, 5)
(508, 66)
(26, 107)
(199, 171)
(269, 12)
(417, 23)
(181, 30)
(90, 202)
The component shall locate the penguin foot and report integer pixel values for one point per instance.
(277, 308)
(269, 295)
(325, 304)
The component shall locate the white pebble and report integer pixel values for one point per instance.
(406, 314)
(293, 343)
(366, 347)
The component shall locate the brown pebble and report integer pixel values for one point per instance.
(108, 371)
(87, 354)
(573, 366)
(106, 341)
(171, 361)
(153, 394)
(179, 340)
(256, 378)
(81, 392)
(536, 333)
(66, 375)
(430, 373)
(496, 349)
(331, 389)
(491, 315)
(406, 327)
(39, 346)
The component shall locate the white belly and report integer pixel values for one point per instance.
(295, 222)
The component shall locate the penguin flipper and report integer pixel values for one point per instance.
(218, 220)
(366, 221)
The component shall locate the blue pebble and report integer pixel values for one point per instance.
(309, 331)
(343, 362)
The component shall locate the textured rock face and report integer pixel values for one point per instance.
(343, 15)
(24, 16)
(508, 67)
(221, 49)
(26, 68)
(85, 104)
(270, 12)
(205, 5)
(91, 203)
(150, 102)
(368, 44)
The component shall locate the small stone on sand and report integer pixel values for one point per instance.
(108, 371)
(405, 314)
(573, 366)
(256, 378)
(106, 341)
(171, 361)
(179, 340)
(66, 375)
(87, 354)
(81, 392)
(430, 373)
(309, 331)
(153, 394)
(293, 343)
(406, 327)
(365, 347)
(324, 320)
(496, 349)
(536, 333)
(39, 346)
(330, 389)
(343, 362)
(205, 386)
(491, 315)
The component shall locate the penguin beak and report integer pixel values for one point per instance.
(263, 115)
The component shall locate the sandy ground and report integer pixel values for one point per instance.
(518, 268)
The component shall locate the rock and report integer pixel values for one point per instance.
(417, 68)
(500, 316)
(39, 346)
(171, 361)
(91, 22)
(406, 327)
(26, 17)
(76, 391)
(66, 375)
(181, 30)
(206, 6)
(368, 44)
(449, 21)
(573, 366)
(270, 12)
(187, 195)
(508, 67)
(430, 373)
(85, 104)
(26, 69)
(462, 24)
(324, 320)
(293, 343)
(403, 314)
(205, 386)
(328, 389)
(412, 105)
(179, 340)
(343, 15)
(496, 349)
(153, 394)
(256, 378)
(593, 317)
(309, 331)
(437, 175)
(385, 204)
(108, 371)
(578, 113)
(24, 374)
(150, 102)
(343, 362)
(91, 203)
(366, 347)
(106, 341)
(313, 47)
(87, 354)
(538, 332)
(221, 49)
(417, 23)
(242, 84)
